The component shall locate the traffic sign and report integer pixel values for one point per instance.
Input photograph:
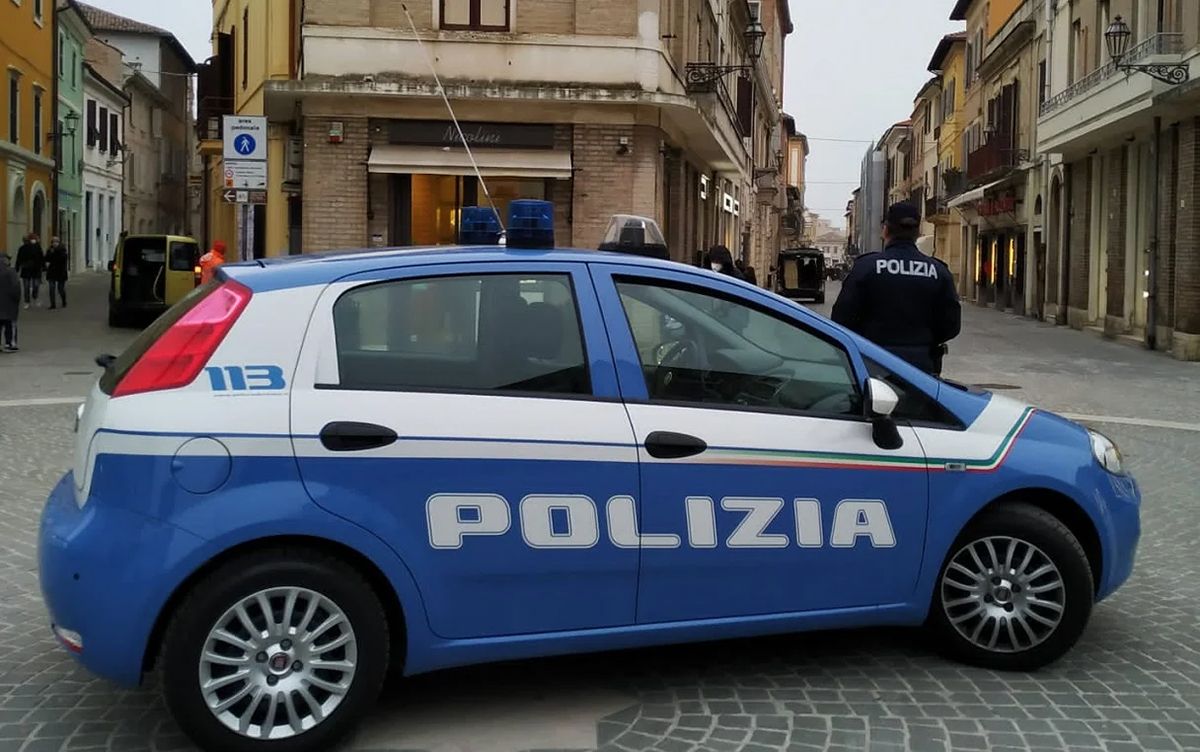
(232, 196)
(245, 174)
(245, 137)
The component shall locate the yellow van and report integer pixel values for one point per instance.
(151, 273)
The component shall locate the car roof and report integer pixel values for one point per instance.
(282, 272)
(182, 238)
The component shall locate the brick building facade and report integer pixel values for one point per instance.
(1116, 145)
(587, 105)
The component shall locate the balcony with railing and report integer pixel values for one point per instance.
(1102, 96)
(992, 160)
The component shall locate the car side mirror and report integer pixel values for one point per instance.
(883, 401)
(883, 398)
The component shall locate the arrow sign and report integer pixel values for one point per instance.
(229, 196)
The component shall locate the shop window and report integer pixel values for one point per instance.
(436, 201)
(477, 15)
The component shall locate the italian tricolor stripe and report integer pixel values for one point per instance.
(835, 460)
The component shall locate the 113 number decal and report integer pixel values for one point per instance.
(245, 378)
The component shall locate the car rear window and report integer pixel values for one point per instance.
(119, 367)
(150, 250)
(184, 256)
(469, 333)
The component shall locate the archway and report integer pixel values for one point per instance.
(38, 219)
(18, 214)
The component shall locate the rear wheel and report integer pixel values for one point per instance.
(281, 650)
(1016, 591)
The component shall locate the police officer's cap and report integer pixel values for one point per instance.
(903, 214)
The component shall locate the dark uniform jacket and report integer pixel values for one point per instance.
(30, 261)
(10, 292)
(903, 301)
(58, 259)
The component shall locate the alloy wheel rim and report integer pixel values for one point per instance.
(1003, 594)
(278, 663)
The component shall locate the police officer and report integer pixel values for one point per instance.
(901, 299)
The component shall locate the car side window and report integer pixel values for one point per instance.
(699, 347)
(475, 333)
(914, 405)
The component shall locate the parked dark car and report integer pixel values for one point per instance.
(800, 274)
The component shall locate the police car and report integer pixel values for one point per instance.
(317, 469)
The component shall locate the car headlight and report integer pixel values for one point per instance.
(1106, 453)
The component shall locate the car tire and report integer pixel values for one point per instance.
(115, 319)
(278, 686)
(1016, 609)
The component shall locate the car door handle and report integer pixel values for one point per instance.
(348, 436)
(666, 445)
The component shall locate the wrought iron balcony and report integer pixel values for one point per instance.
(1169, 43)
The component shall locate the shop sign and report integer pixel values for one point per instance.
(477, 135)
(990, 207)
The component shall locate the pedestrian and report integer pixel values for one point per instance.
(751, 275)
(58, 263)
(721, 261)
(211, 260)
(901, 299)
(30, 264)
(10, 304)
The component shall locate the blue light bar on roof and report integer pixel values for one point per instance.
(530, 224)
(479, 225)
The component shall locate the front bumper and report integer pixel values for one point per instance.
(1121, 500)
(102, 575)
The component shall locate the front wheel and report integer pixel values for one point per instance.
(1016, 591)
(282, 650)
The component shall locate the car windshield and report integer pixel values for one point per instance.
(728, 326)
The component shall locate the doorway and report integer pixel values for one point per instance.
(17, 217)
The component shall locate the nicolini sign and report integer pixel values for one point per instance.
(496, 135)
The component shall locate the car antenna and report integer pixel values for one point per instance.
(454, 118)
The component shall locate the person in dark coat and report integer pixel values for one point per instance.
(10, 304)
(58, 263)
(721, 261)
(901, 299)
(31, 262)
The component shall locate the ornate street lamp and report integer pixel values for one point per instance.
(754, 36)
(1118, 36)
(702, 76)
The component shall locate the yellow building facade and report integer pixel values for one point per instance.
(26, 146)
(253, 43)
(949, 62)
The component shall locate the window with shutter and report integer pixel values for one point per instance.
(114, 134)
(745, 106)
(102, 129)
(91, 123)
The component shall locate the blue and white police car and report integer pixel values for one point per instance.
(315, 469)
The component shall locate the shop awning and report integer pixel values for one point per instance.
(432, 160)
(973, 195)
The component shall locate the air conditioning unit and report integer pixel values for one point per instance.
(294, 166)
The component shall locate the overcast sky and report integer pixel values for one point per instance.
(853, 68)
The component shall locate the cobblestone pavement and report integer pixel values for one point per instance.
(1133, 683)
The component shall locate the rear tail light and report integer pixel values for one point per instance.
(177, 357)
(197, 275)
